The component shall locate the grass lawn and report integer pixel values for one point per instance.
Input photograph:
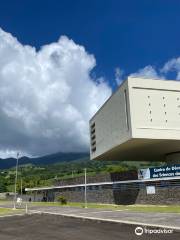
(136, 208)
(9, 211)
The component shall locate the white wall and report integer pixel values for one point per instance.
(155, 108)
(112, 122)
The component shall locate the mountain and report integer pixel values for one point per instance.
(44, 160)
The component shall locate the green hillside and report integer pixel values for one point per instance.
(46, 175)
(48, 159)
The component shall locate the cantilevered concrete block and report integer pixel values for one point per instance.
(140, 121)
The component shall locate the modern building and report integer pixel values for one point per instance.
(140, 121)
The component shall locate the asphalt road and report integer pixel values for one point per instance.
(153, 218)
(54, 227)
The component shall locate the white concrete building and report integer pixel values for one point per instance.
(140, 121)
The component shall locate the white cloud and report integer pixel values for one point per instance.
(147, 72)
(118, 75)
(13, 153)
(46, 97)
(172, 65)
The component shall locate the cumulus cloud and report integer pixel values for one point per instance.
(172, 65)
(46, 97)
(147, 72)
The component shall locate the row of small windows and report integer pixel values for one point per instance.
(93, 137)
(163, 105)
(164, 98)
(152, 120)
(165, 113)
(93, 125)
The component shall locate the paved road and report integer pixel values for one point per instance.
(164, 219)
(54, 227)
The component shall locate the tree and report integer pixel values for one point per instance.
(3, 187)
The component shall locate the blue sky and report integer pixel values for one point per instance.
(127, 34)
(51, 88)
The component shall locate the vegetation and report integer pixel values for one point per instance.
(3, 185)
(45, 175)
(48, 159)
(9, 211)
(62, 200)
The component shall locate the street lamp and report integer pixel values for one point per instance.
(15, 190)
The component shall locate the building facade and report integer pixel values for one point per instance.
(140, 121)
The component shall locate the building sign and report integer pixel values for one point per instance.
(144, 173)
(159, 172)
(150, 190)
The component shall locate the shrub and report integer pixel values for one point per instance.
(62, 200)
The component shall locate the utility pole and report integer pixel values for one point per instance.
(15, 190)
(73, 173)
(85, 189)
(21, 187)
